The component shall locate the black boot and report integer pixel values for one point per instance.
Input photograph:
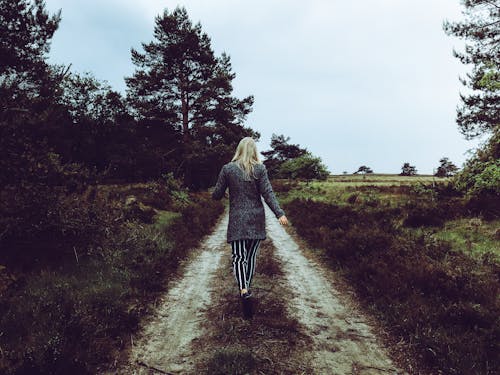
(247, 305)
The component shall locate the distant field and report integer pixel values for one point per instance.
(390, 188)
(383, 179)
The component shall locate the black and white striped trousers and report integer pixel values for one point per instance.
(244, 253)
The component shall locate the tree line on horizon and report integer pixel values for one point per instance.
(446, 168)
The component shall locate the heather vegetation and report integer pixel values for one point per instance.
(422, 255)
(71, 301)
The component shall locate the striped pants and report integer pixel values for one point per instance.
(244, 253)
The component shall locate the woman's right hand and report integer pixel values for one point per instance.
(283, 220)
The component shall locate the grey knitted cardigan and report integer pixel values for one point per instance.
(246, 211)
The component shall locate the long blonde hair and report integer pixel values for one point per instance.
(246, 156)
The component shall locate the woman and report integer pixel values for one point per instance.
(247, 179)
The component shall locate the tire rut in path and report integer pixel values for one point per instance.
(164, 342)
(343, 342)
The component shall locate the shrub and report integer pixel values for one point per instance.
(424, 216)
(305, 166)
(283, 186)
(481, 173)
(424, 213)
(484, 204)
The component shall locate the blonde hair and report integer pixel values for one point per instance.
(246, 157)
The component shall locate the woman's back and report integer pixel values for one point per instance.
(246, 211)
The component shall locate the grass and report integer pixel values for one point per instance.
(472, 236)
(164, 219)
(394, 191)
(390, 189)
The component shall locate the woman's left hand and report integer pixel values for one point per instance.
(283, 220)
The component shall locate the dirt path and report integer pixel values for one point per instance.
(195, 326)
(164, 345)
(343, 341)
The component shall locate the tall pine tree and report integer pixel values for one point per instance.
(181, 84)
(180, 81)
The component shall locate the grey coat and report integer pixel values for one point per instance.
(246, 211)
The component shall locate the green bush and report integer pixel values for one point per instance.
(306, 166)
(481, 173)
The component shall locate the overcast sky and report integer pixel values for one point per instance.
(369, 82)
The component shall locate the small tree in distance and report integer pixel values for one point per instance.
(446, 169)
(363, 170)
(408, 170)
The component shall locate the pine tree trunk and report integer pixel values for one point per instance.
(185, 120)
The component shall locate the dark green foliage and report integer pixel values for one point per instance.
(481, 173)
(26, 30)
(446, 168)
(431, 213)
(408, 170)
(446, 190)
(280, 152)
(209, 149)
(485, 205)
(441, 301)
(180, 85)
(479, 112)
(284, 185)
(89, 100)
(306, 167)
(364, 169)
(286, 160)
